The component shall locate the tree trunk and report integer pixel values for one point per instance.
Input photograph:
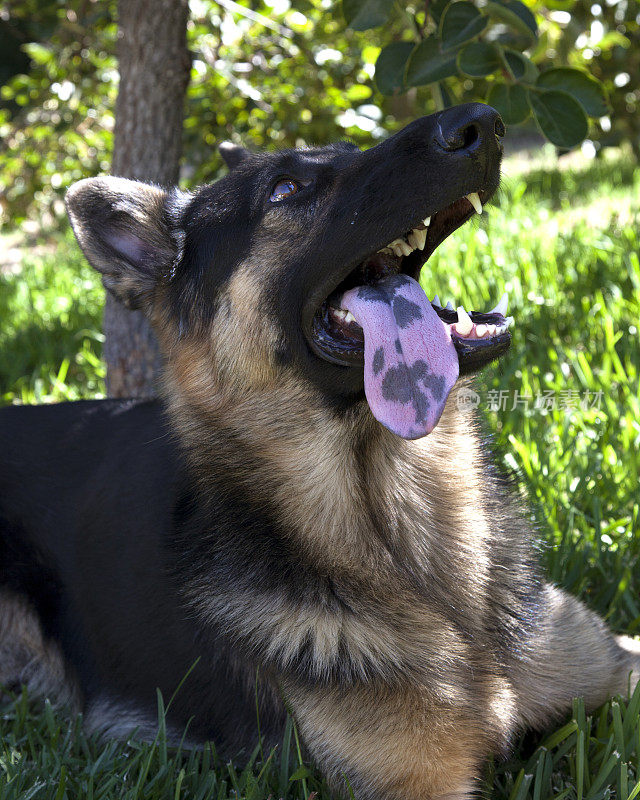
(154, 69)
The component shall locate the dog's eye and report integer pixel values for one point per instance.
(283, 189)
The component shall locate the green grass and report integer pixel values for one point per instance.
(50, 327)
(566, 245)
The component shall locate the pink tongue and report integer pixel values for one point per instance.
(410, 362)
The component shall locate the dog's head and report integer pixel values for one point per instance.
(304, 263)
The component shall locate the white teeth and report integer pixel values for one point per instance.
(491, 329)
(449, 305)
(426, 221)
(421, 238)
(474, 199)
(416, 240)
(436, 300)
(342, 315)
(480, 331)
(399, 247)
(501, 308)
(464, 323)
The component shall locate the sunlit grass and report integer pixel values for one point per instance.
(565, 244)
(50, 327)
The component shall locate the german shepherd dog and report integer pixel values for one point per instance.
(281, 518)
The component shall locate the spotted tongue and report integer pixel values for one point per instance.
(410, 362)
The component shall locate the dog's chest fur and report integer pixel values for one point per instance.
(387, 563)
(390, 587)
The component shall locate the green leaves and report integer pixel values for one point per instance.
(364, 14)
(428, 64)
(585, 89)
(516, 15)
(479, 59)
(469, 41)
(38, 53)
(560, 116)
(510, 101)
(560, 100)
(391, 65)
(454, 48)
(461, 21)
(519, 66)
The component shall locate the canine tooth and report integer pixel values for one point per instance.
(436, 300)
(426, 221)
(474, 199)
(421, 238)
(449, 305)
(501, 308)
(480, 331)
(413, 240)
(348, 317)
(464, 323)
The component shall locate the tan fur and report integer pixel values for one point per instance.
(395, 743)
(572, 655)
(304, 454)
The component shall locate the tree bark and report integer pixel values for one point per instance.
(154, 67)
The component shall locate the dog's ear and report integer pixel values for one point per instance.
(232, 153)
(124, 230)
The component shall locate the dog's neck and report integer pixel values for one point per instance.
(342, 487)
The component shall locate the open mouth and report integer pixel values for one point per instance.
(478, 337)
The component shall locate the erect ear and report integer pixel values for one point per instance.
(124, 230)
(232, 153)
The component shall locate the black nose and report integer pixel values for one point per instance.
(469, 127)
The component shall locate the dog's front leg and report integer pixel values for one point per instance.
(571, 654)
(389, 744)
